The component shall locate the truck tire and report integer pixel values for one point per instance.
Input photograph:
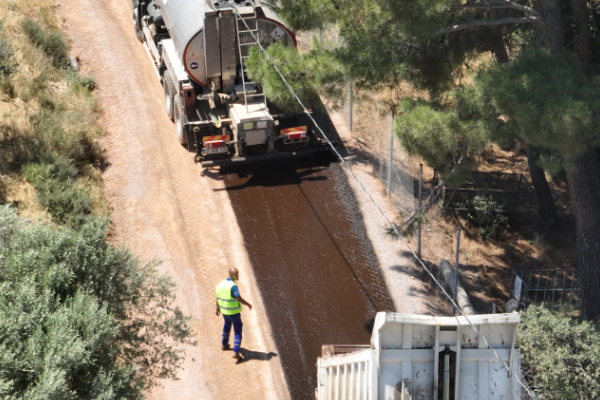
(137, 24)
(178, 115)
(169, 91)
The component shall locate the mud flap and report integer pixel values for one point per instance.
(191, 141)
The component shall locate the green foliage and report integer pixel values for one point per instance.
(87, 82)
(8, 65)
(547, 100)
(384, 42)
(483, 212)
(53, 129)
(439, 136)
(57, 131)
(50, 41)
(298, 72)
(562, 352)
(57, 190)
(303, 14)
(78, 318)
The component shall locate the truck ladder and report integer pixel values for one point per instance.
(248, 24)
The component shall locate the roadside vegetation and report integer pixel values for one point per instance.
(79, 317)
(562, 352)
(463, 79)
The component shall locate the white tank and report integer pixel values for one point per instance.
(205, 39)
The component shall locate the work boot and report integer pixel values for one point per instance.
(225, 347)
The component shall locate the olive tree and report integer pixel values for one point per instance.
(79, 318)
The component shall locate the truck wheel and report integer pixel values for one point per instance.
(137, 24)
(169, 91)
(178, 114)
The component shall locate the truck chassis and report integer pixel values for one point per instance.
(224, 127)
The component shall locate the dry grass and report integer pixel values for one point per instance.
(22, 195)
(44, 110)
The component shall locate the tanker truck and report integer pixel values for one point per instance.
(198, 48)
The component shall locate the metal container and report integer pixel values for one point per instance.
(205, 37)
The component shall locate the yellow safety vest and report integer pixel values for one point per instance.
(228, 304)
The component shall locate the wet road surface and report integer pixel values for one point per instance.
(315, 267)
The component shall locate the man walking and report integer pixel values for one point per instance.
(228, 304)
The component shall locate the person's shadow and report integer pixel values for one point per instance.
(255, 355)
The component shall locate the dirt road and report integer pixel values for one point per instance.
(297, 236)
(162, 207)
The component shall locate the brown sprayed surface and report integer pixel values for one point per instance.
(315, 267)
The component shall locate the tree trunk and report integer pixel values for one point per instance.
(538, 177)
(583, 175)
(499, 49)
(581, 35)
(549, 29)
(541, 187)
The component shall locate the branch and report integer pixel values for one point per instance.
(499, 4)
(491, 22)
(525, 9)
(479, 7)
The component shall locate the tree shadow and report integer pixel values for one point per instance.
(483, 284)
(364, 156)
(435, 301)
(255, 355)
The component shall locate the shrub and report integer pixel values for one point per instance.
(8, 65)
(84, 82)
(47, 102)
(51, 41)
(49, 130)
(80, 319)
(8, 87)
(484, 214)
(562, 351)
(57, 191)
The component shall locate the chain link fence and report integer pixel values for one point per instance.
(380, 148)
(370, 121)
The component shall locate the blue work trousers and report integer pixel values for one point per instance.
(236, 321)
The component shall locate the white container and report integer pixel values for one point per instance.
(406, 360)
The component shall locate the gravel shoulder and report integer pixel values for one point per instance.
(403, 276)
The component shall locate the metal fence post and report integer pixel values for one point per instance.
(391, 157)
(350, 106)
(419, 210)
(456, 271)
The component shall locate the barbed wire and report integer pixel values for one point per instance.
(364, 189)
